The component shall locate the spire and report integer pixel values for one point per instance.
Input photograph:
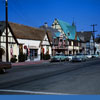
(73, 23)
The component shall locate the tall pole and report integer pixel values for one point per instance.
(94, 35)
(6, 4)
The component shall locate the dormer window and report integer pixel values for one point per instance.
(68, 34)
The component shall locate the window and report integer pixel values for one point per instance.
(68, 34)
(61, 40)
(69, 43)
(33, 53)
(75, 43)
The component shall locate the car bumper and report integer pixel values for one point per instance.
(4, 65)
(55, 60)
(76, 60)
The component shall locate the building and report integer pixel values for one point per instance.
(13, 44)
(88, 44)
(66, 39)
(97, 45)
(33, 42)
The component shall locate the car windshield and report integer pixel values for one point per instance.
(79, 54)
(59, 54)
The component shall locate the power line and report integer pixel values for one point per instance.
(93, 25)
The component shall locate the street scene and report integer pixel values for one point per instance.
(61, 78)
(54, 58)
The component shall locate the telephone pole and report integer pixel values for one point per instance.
(93, 25)
(6, 6)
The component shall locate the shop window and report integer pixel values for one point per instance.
(33, 53)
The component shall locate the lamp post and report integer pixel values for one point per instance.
(6, 4)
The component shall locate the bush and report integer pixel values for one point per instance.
(13, 59)
(22, 57)
(46, 57)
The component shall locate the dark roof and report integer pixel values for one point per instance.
(2, 27)
(51, 32)
(97, 39)
(25, 32)
(85, 36)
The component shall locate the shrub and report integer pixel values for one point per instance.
(46, 57)
(22, 57)
(13, 59)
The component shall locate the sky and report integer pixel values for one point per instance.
(36, 12)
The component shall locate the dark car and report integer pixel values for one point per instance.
(4, 66)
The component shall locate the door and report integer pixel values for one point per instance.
(1, 53)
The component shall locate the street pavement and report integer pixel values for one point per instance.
(53, 78)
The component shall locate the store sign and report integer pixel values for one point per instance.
(32, 47)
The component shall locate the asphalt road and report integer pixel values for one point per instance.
(71, 78)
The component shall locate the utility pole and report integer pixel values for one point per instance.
(6, 4)
(93, 25)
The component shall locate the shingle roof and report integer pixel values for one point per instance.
(25, 32)
(2, 27)
(69, 30)
(57, 34)
(85, 36)
(51, 32)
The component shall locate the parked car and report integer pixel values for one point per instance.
(4, 66)
(88, 56)
(70, 57)
(58, 57)
(78, 58)
(95, 56)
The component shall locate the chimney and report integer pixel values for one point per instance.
(46, 24)
(82, 31)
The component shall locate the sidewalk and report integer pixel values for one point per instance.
(30, 63)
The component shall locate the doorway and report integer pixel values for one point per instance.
(1, 53)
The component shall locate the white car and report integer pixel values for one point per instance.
(95, 56)
(88, 56)
(70, 57)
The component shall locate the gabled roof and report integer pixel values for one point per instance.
(25, 32)
(69, 30)
(85, 36)
(2, 28)
(51, 32)
(57, 34)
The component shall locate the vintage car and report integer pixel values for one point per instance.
(4, 66)
(79, 58)
(69, 57)
(59, 57)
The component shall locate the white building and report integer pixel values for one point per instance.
(31, 41)
(12, 43)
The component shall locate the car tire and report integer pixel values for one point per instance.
(3, 70)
